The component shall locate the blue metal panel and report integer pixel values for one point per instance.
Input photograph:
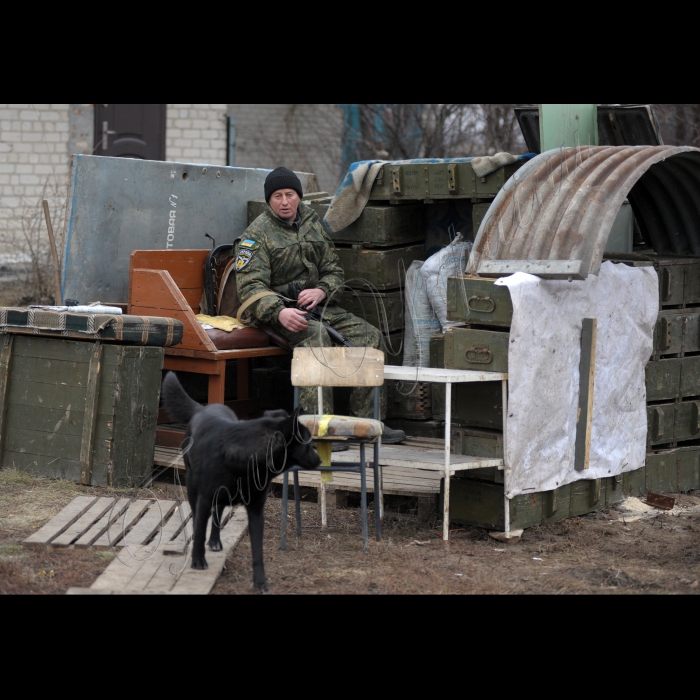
(117, 205)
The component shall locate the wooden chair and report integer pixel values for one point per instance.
(170, 283)
(338, 367)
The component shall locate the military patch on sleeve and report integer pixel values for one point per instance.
(244, 258)
(247, 243)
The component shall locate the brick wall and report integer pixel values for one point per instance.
(34, 165)
(306, 138)
(196, 134)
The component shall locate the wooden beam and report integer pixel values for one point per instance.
(5, 357)
(90, 416)
(589, 334)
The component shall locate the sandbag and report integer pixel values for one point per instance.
(421, 321)
(451, 261)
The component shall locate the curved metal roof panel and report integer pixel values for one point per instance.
(554, 216)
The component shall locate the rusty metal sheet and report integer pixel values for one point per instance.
(658, 500)
(116, 205)
(553, 218)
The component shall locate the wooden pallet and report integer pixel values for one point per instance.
(151, 540)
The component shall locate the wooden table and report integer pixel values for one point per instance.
(449, 464)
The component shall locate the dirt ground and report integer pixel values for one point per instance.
(631, 548)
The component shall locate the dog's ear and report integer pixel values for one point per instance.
(277, 413)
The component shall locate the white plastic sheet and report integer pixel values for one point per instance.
(543, 369)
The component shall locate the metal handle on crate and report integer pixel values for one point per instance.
(479, 298)
(476, 351)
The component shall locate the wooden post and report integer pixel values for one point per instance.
(54, 254)
(90, 417)
(5, 357)
(585, 398)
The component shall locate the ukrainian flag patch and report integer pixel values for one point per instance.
(248, 243)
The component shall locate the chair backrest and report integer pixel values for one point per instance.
(337, 367)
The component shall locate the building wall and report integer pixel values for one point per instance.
(196, 134)
(34, 165)
(306, 138)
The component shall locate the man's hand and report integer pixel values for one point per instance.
(293, 319)
(308, 298)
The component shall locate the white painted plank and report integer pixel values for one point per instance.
(440, 376)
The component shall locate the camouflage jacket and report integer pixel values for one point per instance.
(272, 253)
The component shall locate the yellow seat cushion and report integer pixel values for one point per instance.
(342, 427)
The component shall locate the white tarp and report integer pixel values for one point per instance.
(543, 371)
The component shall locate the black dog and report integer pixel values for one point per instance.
(231, 461)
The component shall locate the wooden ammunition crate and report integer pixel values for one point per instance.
(435, 181)
(481, 503)
(473, 348)
(478, 443)
(369, 306)
(679, 277)
(78, 410)
(673, 378)
(677, 332)
(384, 268)
(476, 300)
(673, 471)
(673, 422)
(478, 214)
(411, 400)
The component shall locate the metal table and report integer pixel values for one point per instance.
(448, 377)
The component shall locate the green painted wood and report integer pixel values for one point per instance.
(481, 350)
(478, 214)
(663, 379)
(437, 351)
(687, 421)
(673, 471)
(479, 404)
(49, 466)
(668, 333)
(92, 391)
(53, 420)
(691, 293)
(691, 332)
(660, 424)
(45, 349)
(57, 396)
(5, 359)
(59, 444)
(690, 377)
(634, 483)
(478, 301)
(383, 310)
(479, 443)
(589, 334)
(562, 126)
(385, 269)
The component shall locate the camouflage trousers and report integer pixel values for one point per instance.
(359, 333)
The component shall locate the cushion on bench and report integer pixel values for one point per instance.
(342, 426)
(238, 338)
(137, 330)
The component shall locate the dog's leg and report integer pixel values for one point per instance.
(256, 526)
(215, 536)
(200, 517)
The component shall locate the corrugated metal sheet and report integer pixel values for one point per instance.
(554, 216)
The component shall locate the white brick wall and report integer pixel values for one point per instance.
(34, 165)
(196, 134)
(305, 138)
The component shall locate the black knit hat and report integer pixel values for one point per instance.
(282, 179)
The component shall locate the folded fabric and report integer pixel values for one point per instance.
(223, 323)
(139, 330)
(342, 426)
(485, 165)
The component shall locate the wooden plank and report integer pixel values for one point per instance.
(186, 267)
(194, 582)
(167, 574)
(61, 522)
(122, 569)
(101, 526)
(90, 414)
(177, 521)
(149, 524)
(122, 524)
(146, 569)
(337, 367)
(84, 523)
(5, 358)
(582, 453)
(153, 293)
(269, 351)
(51, 420)
(443, 376)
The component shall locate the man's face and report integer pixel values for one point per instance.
(285, 204)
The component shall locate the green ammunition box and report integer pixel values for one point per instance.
(382, 226)
(478, 301)
(411, 400)
(690, 377)
(663, 379)
(383, 310)
(677, 332)
(437, 351)
(673, 471)
(77, 410)
(435, 181)
(478, 214)
(383, 268)
(673, 421)
(478, 443)
(471, 348)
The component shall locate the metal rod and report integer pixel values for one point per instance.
(297, 502)
(506, 502)
(378, 495)
(363, 496)
(54, 255)
(285, 501)
(448, 431)
(322, 487)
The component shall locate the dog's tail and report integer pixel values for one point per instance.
(176, 400)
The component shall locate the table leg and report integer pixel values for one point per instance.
(506, 502)
(217, 384)
(446, 490)
(243, 377)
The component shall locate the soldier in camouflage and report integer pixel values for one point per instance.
(287, 244)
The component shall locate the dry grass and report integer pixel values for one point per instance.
(618, 551)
